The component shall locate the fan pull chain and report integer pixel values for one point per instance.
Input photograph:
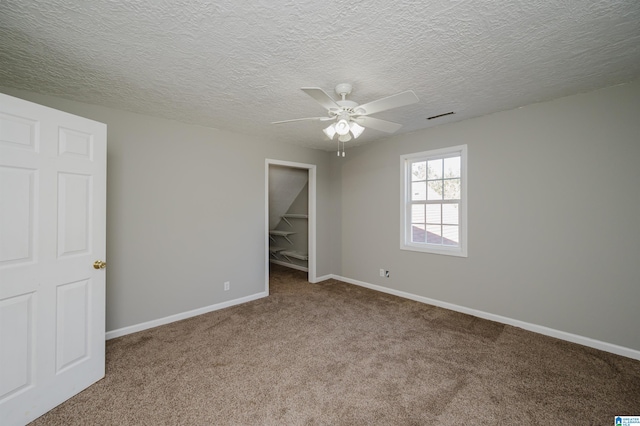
(338, 152)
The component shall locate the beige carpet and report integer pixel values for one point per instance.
(337, 354)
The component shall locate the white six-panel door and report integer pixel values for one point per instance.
(52, 230)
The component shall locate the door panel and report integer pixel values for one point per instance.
(72, 333)
(16, 352)
(17, 200)
(74, 219)
(73, 143)
(52, 229)
(18, 132)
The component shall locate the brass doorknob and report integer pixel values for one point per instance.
(99, 264)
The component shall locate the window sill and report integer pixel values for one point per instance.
(453, 251)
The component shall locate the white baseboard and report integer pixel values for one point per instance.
(323, 278)
(184, 315)
(574, 338)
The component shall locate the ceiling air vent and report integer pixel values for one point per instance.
(441, 115)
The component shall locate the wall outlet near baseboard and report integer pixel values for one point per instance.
(226, 285)
(382, 272)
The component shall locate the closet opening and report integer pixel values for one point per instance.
(290, 222)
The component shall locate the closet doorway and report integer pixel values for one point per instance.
(290, 210)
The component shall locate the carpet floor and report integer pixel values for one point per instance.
(338, 354)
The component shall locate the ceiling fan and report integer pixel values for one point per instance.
(350, 119)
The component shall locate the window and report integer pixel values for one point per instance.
(434, 208)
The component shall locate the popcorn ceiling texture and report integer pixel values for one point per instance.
(239, 65)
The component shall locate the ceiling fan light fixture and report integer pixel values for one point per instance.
(350, 118)
(356, 129)
(342, 127)
(330, 131)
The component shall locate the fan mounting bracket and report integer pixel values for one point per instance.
(343, 89)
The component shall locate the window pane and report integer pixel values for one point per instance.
(417, 213)
(418, 191)
(434, 191)
(452, 189)
(435, 169)
(449, 214)
(434, 234)
(418, 234)
(452, 167)
(418, 170)
(433, 213)
(451, 235)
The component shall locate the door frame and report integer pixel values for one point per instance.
(311, 168)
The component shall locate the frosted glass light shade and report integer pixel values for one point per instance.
(344, 138)
(342, 127)
(330, 131)
(356, 129)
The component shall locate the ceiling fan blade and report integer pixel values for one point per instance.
(321, 97)
(303, 119)
(377, 124)
(393, 101)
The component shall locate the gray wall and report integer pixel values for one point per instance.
(185, 212)
(554, 237)
(554, 215)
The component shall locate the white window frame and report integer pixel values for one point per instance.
(405, 201)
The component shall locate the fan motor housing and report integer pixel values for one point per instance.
(347, 104)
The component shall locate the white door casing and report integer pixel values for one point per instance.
(311, 276)
(52, 229)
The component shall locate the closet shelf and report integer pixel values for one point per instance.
(283, 234)
(293, 216)
(288, 254)
(273, 250)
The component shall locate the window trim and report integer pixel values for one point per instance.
(405, 202)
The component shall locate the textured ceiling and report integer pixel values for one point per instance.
(239, 65)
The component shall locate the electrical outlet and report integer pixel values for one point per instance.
(386, 274)
(226, 285)
(382, 272)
